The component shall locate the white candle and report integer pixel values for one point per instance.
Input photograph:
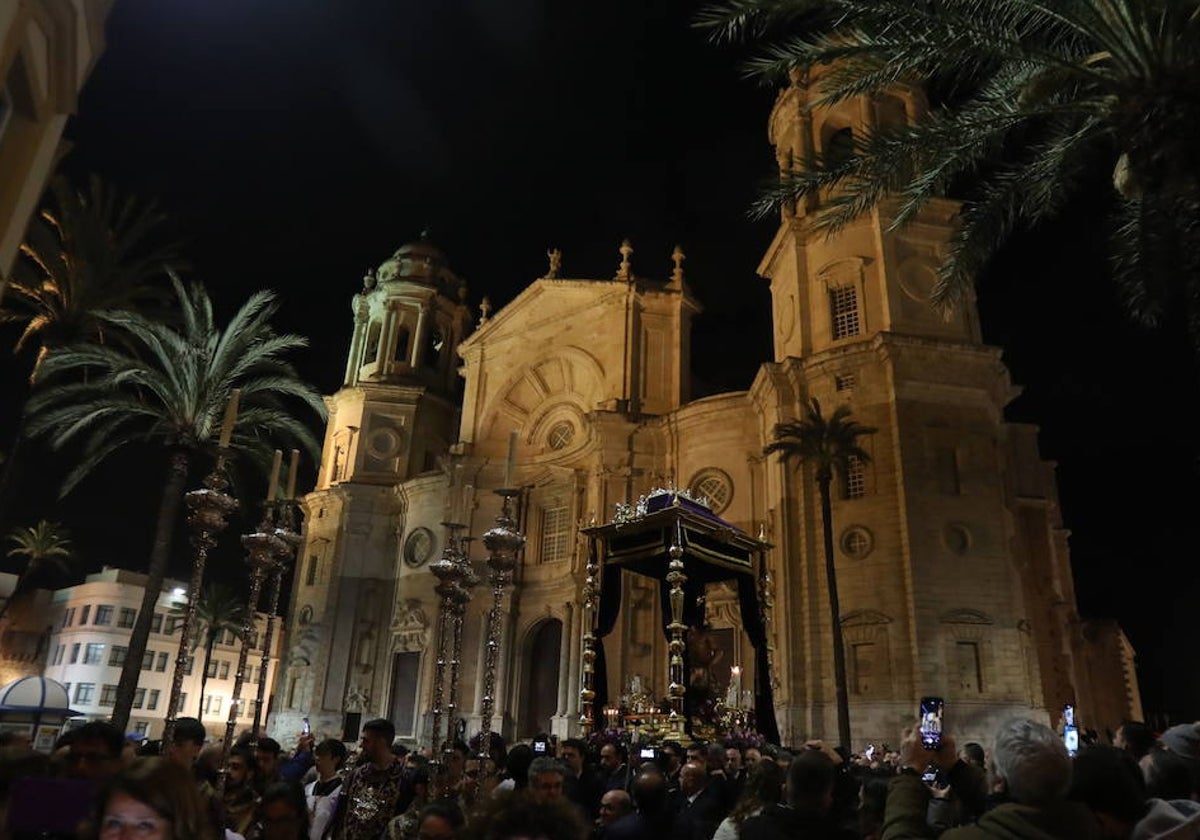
(512, 457)
(231, 413)
(735, 685)
(273, 487)
(291, 481)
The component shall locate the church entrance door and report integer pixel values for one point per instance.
(539, 688)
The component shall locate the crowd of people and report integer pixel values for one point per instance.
(96, 786)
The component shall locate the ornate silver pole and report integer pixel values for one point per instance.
(458, 608)
(676, 578)
(287, 534)
(502, 542)
(262, 547)
(449, 570)
(591, 593)
(208, 508)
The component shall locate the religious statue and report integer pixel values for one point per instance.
(555, 256)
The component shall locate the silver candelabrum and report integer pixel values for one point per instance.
(503, 543)
(455, 579)
(208, 508)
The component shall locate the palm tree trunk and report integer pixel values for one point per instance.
(209, 643)
(168, 513)
(835, 614)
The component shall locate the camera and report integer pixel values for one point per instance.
(647, 753)
(541, 746)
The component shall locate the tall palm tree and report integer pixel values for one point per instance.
(218, 610)
(87, 249)
(169, 385)
(1040, 96)
(45, 544)
(829, 445)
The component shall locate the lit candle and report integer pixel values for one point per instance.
(512, 457)
(291, 482)
(735, 685)
(273, 487)
(231, 413)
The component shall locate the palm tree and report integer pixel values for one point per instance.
(1040, 98)
(218, 610)
(45, 544)
(168, 386)
(87, 250)
(829, 446)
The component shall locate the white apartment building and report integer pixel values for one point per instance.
(92, 624)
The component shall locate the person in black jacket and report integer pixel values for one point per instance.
(809, 800)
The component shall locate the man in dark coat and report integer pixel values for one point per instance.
(806, 814)
(698, 804)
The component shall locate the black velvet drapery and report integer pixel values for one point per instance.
(752, 623)
(606, 619)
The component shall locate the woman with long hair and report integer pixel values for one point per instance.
(764, 787)
(152, 799)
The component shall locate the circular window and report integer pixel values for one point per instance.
(561, 435)
(418, 548)
(714, 485)
(857, 542)
(384, 443)
(958, 538)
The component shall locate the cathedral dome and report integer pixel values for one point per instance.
(421, 261)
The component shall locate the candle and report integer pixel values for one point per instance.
(512, 457)
(735, 685)
(231, 413)
(273, 487)
(291, 482)
(455, 497)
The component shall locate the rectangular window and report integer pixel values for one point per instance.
(162, 661)
(230, 637)
(153, 704)
(156, 623)
(223, 671)
(148, 661)
(84, 692)
(845, 381)
(862, 658)
(139, 698)
(173, 624)
(118, 654)
(212, 704)
(84, 614)
(141, 728)
(68, 617)
(188, 666)
(182, 700)
(93, 654)
(556, 534)
(251, 708)
(843, 306)
(211, 670)
(126, 619)
(58, 654)
(104, 615)
(970, 676)
(947, 471)
(310, 575)
(75, 652)
(856, 481)
(108, 695)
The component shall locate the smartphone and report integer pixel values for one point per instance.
(1071, 738)
(540, 746)
(1069, 715)
(647, 753)
(307, 730)
(930, 775)
(932, 710)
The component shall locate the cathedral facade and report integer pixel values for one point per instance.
(952, 561)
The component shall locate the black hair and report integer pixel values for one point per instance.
(810, 778)
(443, 809)
(381, 726)
(269, 745)
(102, 731)
(1109, 781)
(292, 795)
(189, 729)
(1168, 776)
(1139, 738)
(974, 752)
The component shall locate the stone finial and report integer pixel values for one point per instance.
(677, 257)
(369, 278)
(485, 309)
(555, 257)
(625, 269)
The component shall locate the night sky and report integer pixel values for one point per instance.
(297, 142)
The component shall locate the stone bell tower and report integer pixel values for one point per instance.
(394, 416)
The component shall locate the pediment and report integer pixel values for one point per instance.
(965, 616)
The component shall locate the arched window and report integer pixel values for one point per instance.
(371, 354)
(839, 147)
(401, 354)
